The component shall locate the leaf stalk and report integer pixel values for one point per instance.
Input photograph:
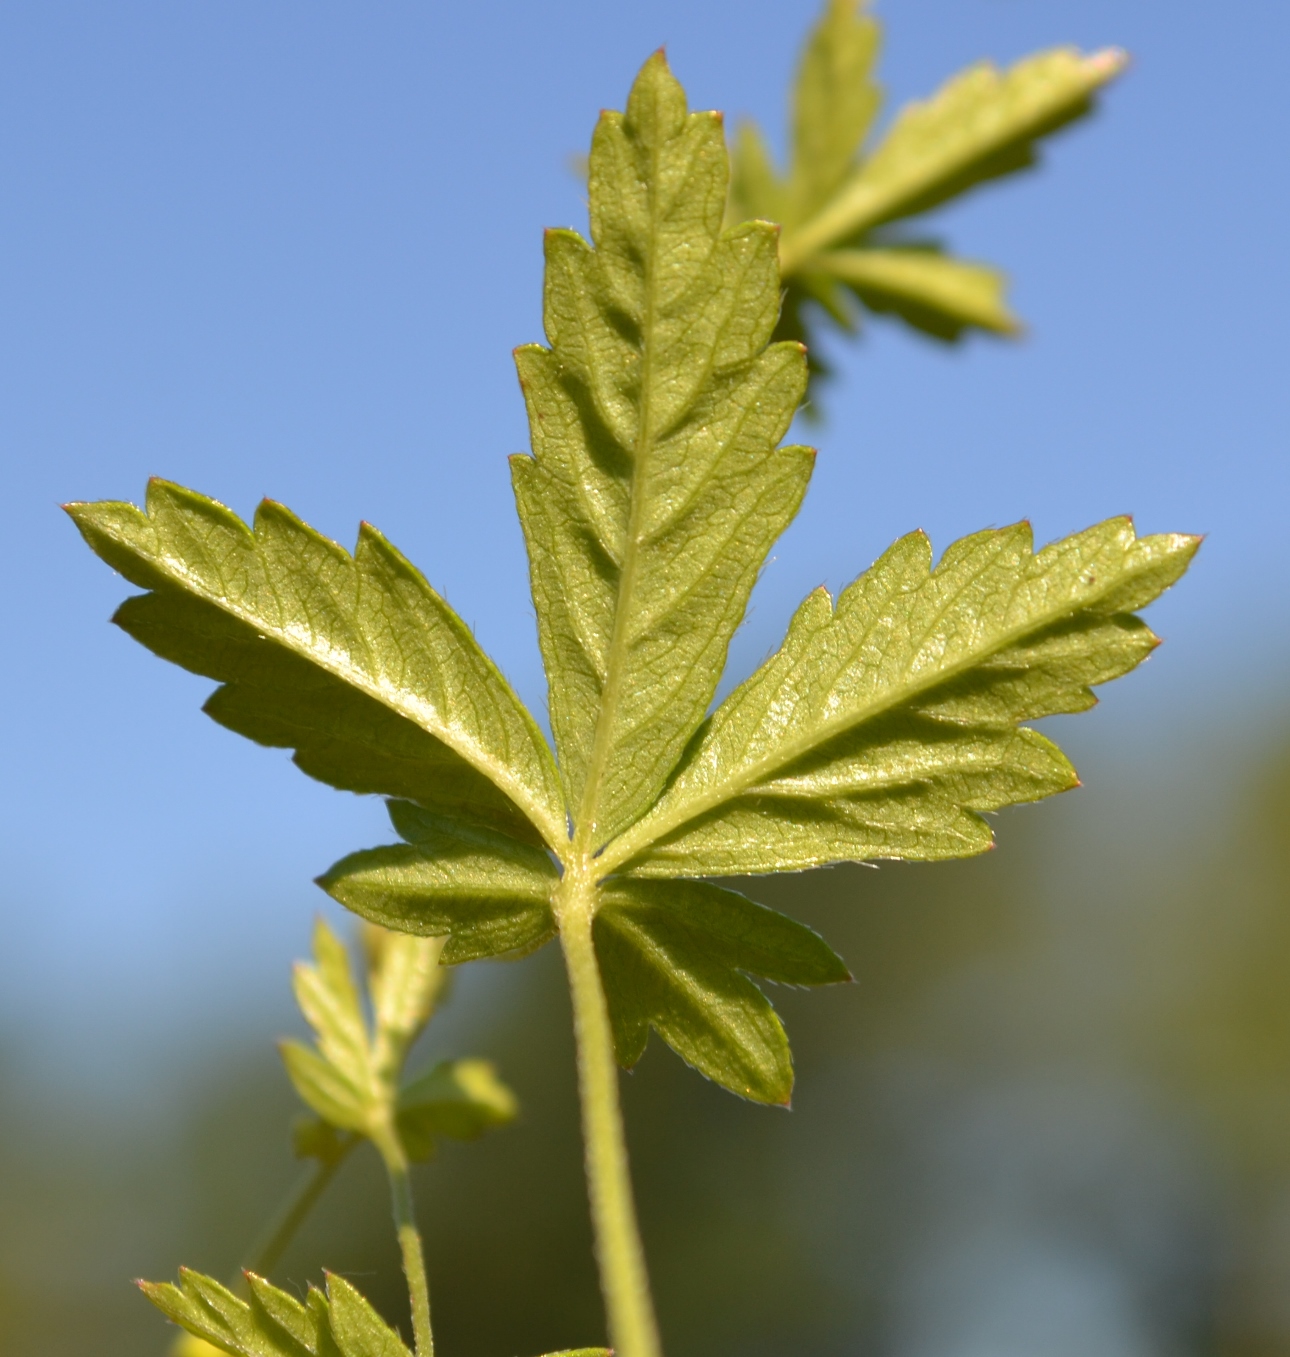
(633, 1330)
(283, 1227)
(391, 1150)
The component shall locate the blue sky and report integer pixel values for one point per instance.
(287, 248)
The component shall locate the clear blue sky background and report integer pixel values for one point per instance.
(286, 248)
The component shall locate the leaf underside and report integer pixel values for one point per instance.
(674, 957)
(353, 661)
(488, 894)
(656, 487)
(886, 725)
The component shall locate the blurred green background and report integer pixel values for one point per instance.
(1052, 1115)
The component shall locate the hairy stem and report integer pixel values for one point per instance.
(281, 1230)
(414, 1263)
(633, 1331)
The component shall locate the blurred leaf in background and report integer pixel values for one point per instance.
(848, 199)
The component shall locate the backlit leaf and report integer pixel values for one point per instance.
(837, 197)
(404, 979)
(835, 103)
(353, 661)
(982, 124)
(282, 1327)
(673, 957)
(490, 893)
(273, 1323)
(337, 1098)
(884, 726)
(329, 1000)
(935, 294)
(656, 486)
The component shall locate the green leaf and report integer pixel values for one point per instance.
(656, 488)
(835, 199)
(884, 727)
(981, 125)
(272, 1308)
(489, 892)
(353, 661)
(582, 1352)
(329, 1000)
(404, 980)
(352, 1080)
(835, 100)
(273, 1323)
(940, 296)
(359, 1331)
(333, 1095)
(756, 189)
(835, 103)
(671, 957)
(460, 1099)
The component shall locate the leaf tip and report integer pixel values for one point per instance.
(1108, 63)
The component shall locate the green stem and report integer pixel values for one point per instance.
(633, 1331)
(414, 1263)
(281, 1230)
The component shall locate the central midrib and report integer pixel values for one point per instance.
(600, 749)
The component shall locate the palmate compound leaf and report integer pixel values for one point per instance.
(353, 661)
(656, 487)
(834, 199)
(981, 125)
(272, 1323)
(886, 725)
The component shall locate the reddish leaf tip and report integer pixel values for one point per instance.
(1108, 62)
